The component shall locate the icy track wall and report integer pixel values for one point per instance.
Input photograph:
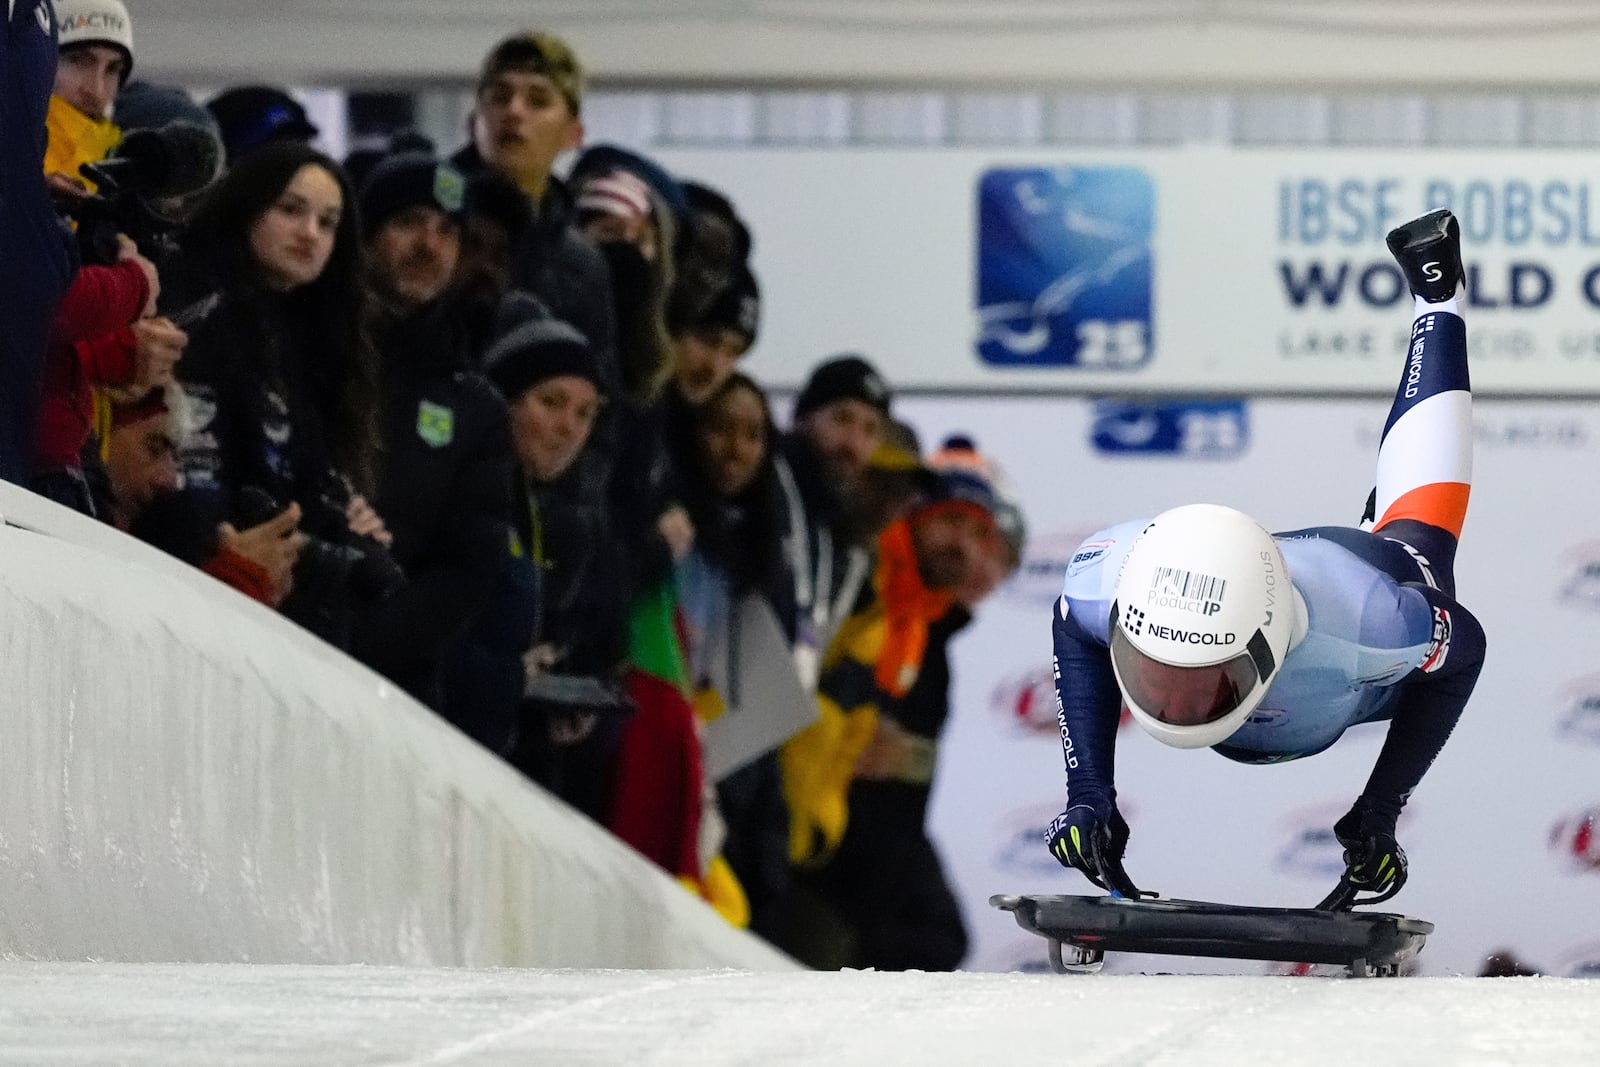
(188, 777)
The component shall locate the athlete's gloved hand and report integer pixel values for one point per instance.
(1374, 862)
(1093, 842)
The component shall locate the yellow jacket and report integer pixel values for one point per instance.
(872, 661)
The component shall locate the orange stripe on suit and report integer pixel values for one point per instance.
(1441, 504)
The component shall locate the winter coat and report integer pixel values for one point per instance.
(259, 441)
(563, 269)
(91, 344)
(36, 256)
(872, 664)
(445, 496)
(829, 565)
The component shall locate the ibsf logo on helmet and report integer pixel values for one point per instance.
(1576, 838)
(1579, 701)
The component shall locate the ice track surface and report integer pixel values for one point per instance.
(244, 1015)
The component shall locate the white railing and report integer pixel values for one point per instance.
(186, 776)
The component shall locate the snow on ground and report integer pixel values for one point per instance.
(68, 1014)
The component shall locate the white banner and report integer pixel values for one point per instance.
(1502, 834)
(1198, 270)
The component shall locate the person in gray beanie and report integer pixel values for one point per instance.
(149, 106)
(558, 614)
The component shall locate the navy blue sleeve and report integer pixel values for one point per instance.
(1088, 706)
(1429, 704)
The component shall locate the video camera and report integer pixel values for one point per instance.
(145, 169)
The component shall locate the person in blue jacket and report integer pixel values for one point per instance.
(1267, 647)
(36, 262)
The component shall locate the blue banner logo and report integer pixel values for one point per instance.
(1065, 267)
(1200, 429)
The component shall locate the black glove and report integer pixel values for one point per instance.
(1374, 862)
(1083, 838)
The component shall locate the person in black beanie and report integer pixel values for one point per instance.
(559, 608)
(839, 420)
(710, 337)
(445, 485)
(251, 116)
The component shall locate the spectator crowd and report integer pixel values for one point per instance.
(484, 429)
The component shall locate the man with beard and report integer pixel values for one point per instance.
(869, 691)
(839, 420)
(445, 491)
(525, 116)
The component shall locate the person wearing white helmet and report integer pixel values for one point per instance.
(1212, 632)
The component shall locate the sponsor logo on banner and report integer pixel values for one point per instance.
(1576, 838)
(1021, 836)
(1027, 700)
(1527, 433)
(1309, 848)
(1065, 267)
(1194, 429)
(1581, 962)
(1580, 585)
(1047, 559)
(1579, 704)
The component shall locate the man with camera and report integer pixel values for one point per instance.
(105, 334)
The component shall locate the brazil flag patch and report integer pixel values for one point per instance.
(436, 424)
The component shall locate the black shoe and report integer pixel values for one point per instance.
(1429, 253)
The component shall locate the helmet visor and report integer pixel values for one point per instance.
(1182, 696)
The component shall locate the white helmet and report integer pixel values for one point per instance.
(1201, 623)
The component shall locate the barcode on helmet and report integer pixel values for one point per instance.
(1189, 585)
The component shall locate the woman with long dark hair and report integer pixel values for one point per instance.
(732, 494)
(269, 285)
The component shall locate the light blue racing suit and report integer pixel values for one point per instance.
(1384, 640)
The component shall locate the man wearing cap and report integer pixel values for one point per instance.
(526, 114)
(711, 335)
(445, 490)
(868, 680)
(35, 261)
(96, 42)
(839, 421)
(104, 334)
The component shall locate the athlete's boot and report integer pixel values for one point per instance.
(1429, 253)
